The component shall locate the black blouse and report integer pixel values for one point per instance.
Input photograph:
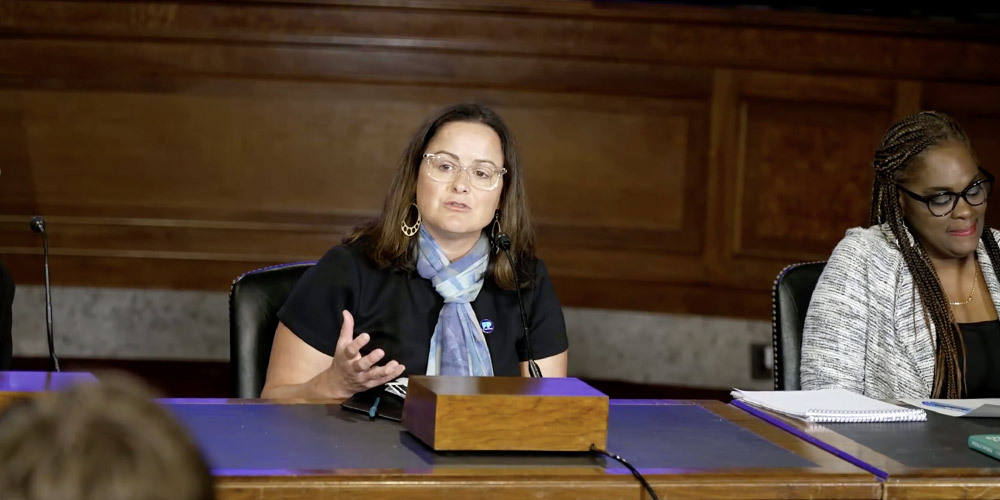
(982, 358)
(399, 310)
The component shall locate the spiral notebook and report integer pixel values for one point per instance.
(829, 405)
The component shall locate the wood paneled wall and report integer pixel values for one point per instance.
(677, 158)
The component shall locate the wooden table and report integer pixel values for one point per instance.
(19, 385)
(694, 450)
(918, 460)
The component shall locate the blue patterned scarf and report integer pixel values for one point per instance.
(458, 346)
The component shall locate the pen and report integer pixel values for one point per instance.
(935, 404)
(374, 409)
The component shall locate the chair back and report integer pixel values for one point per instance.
(793, 288)
(254, 300)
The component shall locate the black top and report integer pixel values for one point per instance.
(399, 310)
(982, 358)
(6, 301)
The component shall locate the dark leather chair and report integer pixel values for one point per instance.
(789, 300)
(254, 300)
(6, 303)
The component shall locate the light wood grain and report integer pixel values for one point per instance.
(505, 414)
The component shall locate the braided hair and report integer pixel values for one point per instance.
(903, 143)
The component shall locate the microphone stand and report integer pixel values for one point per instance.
(503, 243)
(38, 226)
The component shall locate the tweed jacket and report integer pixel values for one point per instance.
(866, 329)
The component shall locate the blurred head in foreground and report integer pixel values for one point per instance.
(107, 441)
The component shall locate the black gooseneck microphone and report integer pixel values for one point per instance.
(38, 226)
(503, 243)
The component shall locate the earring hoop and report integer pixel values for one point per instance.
(495, 229)
(409, 231)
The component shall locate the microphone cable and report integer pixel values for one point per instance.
(635, 472)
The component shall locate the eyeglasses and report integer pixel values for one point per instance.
(445, 168)
(941, 204)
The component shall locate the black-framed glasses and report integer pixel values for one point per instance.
(943, 203)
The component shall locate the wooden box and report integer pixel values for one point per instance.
(505, 413)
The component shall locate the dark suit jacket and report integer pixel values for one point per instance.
(6, 301)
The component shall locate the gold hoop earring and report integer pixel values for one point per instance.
(409, 231)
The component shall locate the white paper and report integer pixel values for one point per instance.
(977, 408)
(397, 387)
(830, 405)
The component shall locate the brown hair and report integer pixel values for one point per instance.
(389, 248)
(901, 148)
(98, 441)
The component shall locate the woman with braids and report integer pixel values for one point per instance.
(422, 289)
(908, 306)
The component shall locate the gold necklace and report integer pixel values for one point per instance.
(975, 279)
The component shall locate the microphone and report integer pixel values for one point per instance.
(503, 243)
(38, 226)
